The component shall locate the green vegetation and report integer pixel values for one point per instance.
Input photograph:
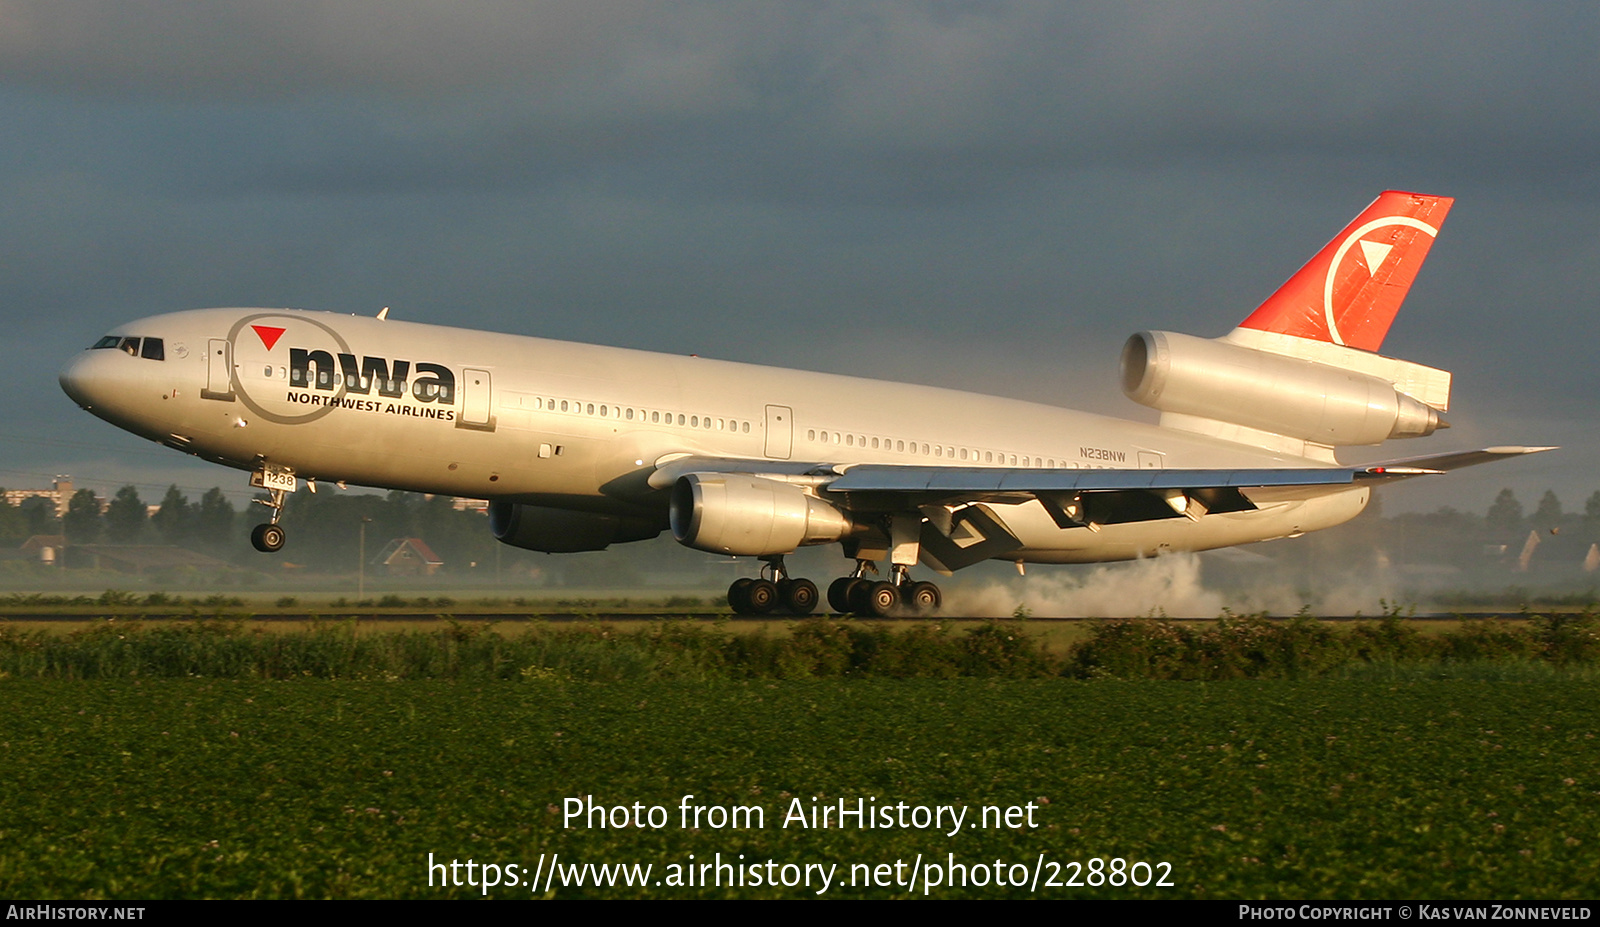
(1249, 647)
(1391, 785)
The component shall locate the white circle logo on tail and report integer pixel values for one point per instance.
(1373, 252)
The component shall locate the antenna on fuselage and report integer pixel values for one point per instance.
(383, 314)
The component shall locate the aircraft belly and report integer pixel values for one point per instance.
(1044, 542)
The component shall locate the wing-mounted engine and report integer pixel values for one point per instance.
(562, 531)
(1316, 392)
(751, 516)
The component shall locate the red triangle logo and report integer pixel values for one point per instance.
(269, 335)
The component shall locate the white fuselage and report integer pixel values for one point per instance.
(442, 410)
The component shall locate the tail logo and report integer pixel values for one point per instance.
(1372, 252)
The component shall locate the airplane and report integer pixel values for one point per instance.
(578, 446)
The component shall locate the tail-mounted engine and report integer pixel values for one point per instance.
(1292, 396)
(730, 513)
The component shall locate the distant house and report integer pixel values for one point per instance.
(46, 548)
(138, 558)
(408, 557)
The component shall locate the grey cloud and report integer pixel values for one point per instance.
(894, 102)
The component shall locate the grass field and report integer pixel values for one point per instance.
(1384, 782)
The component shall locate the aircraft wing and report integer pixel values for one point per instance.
(1081, 497)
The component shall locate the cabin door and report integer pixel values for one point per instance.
(780, 432)
(219, 370)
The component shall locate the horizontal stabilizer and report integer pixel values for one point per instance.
(1441, 463)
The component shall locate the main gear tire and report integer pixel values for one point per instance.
(799, 596)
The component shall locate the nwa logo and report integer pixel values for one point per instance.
(315, 369)
(325, 376)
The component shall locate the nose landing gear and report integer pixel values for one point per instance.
(269, 538)
(774, 589)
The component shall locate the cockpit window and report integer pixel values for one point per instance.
(147, 348)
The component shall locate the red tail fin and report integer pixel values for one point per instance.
(1349, 293)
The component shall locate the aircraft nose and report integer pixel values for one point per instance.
(77, 381)
(100, 380)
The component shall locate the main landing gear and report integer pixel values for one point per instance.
(772, 591)
(857, 595)
(269, 538)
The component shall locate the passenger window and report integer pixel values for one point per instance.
(746, 428)
(155, 349)
(602, 411)
(591, 408)
(563, 405)
(899, 445)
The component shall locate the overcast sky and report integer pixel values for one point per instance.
(988, 196)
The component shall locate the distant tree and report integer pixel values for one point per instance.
(82, 524)
(125, 516)
(39, 516)
(213, 521)
(1505, 515)
(13, 528)
(1591, 509)
(174, 520)
(1548, 514)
